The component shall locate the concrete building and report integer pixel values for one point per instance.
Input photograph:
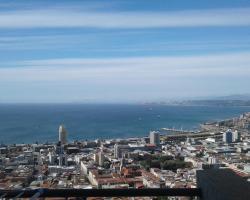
(101, 158)
(212, 160)
(154, 137)
(119, 150)
(96, 158)
(62, 160)
(236, 136)
(52, 158)
(62, 135)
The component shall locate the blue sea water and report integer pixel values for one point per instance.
(27, 123)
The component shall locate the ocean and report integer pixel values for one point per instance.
(28, 123)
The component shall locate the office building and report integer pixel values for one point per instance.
(101, 158)
(236, 136)
(228, 136)
(120, 150)
(154, 137)
(62, 135)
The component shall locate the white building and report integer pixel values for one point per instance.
(52, 158)
(212, 160)
(154, 138)
(60, 169)
(236, 136)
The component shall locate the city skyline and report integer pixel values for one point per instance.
(123, 51)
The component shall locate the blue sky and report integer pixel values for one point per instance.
(123, 51)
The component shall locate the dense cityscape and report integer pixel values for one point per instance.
(124, 100)
(167, 158)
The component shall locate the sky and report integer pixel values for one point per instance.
(123, 50)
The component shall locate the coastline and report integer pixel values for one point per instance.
(200, 129)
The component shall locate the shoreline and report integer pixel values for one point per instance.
(200, 130)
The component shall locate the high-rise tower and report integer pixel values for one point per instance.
(228, 136)
(154, 137)
(62, 135)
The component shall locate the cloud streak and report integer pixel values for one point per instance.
(125, 69)
(124, 79)
(68, 18)
(92, 44)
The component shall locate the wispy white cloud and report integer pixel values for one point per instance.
(49, 42)
(92, 43)
(74, 18)
(127, 69)
(124, 79)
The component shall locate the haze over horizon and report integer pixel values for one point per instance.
(123, 51)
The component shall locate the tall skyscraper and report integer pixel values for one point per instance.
(62, 135)
(228, 136)
(154, 138)
(236, 136)
(117, 151)
(101, 158)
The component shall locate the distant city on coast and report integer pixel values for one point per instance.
(167, 158)
(30, 123)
